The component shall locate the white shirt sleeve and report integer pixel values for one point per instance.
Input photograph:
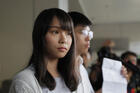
(20, 87)
(85, 85)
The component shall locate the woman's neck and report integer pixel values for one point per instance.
(51, 66)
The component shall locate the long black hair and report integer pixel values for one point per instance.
(66, 65)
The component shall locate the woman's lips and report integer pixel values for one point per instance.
(62, 49)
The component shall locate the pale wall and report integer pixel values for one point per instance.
(16, 23)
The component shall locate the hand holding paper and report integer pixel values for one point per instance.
(113, 81)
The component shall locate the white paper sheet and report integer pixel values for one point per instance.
(113, 81)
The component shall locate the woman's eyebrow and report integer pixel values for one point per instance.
(55, 26)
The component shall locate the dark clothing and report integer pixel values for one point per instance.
(96, 77)
(134, 84)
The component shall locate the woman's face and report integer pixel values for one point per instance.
(58, 41)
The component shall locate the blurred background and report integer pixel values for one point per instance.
(116, 20)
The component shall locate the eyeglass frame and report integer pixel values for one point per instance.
(87, 33)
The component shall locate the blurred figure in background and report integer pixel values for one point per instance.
(130, 58)
(138, 63)
(109, 43)
(95, 75)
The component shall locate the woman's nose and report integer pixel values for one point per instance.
(63, 38)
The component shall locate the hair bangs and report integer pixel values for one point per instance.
(65, 22)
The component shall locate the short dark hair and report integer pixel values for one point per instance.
(66, 65)
(79, 19)
(128, 53)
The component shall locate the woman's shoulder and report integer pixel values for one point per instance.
(25, 75)
(26, 82)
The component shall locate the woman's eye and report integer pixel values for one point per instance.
(55, 32)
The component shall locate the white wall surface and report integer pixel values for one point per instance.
(127, 30)
(112, 11)
(15, 36)
(63, 4)
(40, 5)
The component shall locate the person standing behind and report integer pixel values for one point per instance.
(83, 36)
(130, 58)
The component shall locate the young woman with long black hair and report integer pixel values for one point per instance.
(52, 67)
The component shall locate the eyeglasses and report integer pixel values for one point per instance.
(87, 33)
